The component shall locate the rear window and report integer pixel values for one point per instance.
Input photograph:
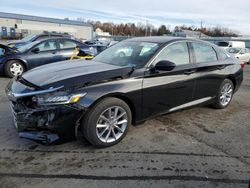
(204, 53)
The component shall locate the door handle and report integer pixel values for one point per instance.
(221, 67)
(189, 72)
(54, 52)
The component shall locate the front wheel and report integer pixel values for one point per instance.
(107, 122)
(224, 95)
(14, 68)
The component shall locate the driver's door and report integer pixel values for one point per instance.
(43, 53)
(165, 91)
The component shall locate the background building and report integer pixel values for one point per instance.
(18, 26)
(101, 33)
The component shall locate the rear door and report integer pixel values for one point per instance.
(209, 70)
(165, 91)
(66, 48)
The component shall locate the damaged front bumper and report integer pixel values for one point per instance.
(44, 123)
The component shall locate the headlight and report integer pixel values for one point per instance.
(59, 98)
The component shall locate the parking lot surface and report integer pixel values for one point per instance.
(198, 147)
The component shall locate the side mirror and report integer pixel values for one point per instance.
(35, 50)
(165, 65)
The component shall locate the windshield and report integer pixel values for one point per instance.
(128, 53)
(27, 46)
(28, 38)
(233, 50)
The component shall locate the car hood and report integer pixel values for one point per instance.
(73, 73)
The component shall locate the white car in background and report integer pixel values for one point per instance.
(242, 54)
(231, 44)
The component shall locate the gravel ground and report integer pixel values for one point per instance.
(198, 147)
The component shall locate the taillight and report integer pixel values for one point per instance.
(242, 64)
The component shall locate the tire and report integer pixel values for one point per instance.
(225, 94)
(14, 68)
(102, 129)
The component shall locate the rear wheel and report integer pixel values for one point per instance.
(14, 68)
(107, 122)
(225, 94)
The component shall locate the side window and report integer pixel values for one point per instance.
(176, 53)
(204, 53)
(222, 55)
(46, 46)
(65, 44)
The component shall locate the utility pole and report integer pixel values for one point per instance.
(146, 33)
(201, 28)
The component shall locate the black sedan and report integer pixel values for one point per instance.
(40, 53)
(103, 97)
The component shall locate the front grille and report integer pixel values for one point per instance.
(26, 118)
(20, 114)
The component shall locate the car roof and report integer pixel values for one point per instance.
(59, 38)
(155, 39)
(165, 39)
(55, 34)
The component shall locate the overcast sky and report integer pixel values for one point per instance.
(226, 13)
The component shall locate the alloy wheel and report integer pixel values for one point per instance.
(111, 124)
(226, 94)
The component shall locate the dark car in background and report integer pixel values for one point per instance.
(100, 46)
(102, 97)
(40, 53)
(36, 37)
